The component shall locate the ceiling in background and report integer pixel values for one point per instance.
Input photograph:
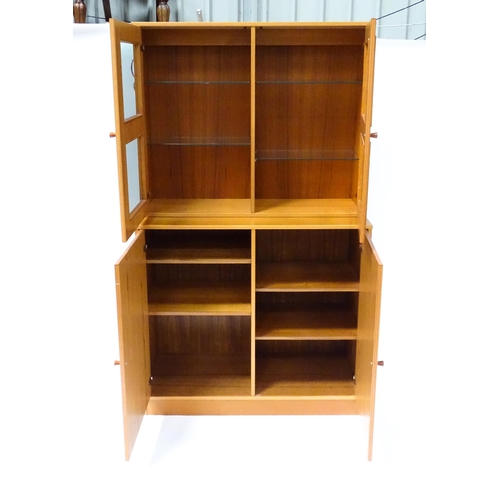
(396, 19)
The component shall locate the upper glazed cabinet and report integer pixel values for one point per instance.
(252, 285)
(253, 120)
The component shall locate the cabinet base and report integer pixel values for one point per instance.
(252, 406)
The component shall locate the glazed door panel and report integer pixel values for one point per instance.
(131, 143)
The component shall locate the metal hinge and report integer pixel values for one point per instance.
(145, 248)
(354, 379)
(142, 47)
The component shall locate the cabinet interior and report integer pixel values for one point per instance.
(260, 125)
(202, 304)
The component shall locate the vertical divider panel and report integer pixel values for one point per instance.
(252, 120)
(253, 299)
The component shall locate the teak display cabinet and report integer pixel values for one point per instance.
(251, 285)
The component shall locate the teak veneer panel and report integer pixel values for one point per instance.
(310, 222)
(368, 330)
(305, 322)
(202, 64)
(199, 256)
(304, 179)
(198, 247)
(253, 405)
(299, 209)
(312, 35)
(202, 298)
(202, 385)
(131, 293)
(184, 34)
(202, 172)
(303, 375)
(305, 276)
(307, 116)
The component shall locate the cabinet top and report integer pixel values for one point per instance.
(242, 25)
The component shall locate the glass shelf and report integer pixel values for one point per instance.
(306, 155)
(202, 141)
(310, 82)
(192, 82)
(260, 82)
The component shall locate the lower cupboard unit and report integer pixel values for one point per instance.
(247, 321)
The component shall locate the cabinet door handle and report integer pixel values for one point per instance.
(112, 134)
(374, 135)
(116, 363)
(380, 363)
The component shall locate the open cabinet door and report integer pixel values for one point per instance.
(133, 326)
(370, 289)
(130, 122)
(364, 126)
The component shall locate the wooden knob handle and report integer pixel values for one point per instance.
(374, 135)
(380, 363)
(112, 134)
(116, 363)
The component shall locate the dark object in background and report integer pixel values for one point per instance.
(79, 11)
(162, 11)
(107, 10)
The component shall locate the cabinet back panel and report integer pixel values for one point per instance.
(309, 63)
(305, 245)
(200, 335)
(310, 36)
(199, 171)
(163, 274)
(201, 64)
(194, 36)
(302, 179)
(286, 300)
(196, 112)
(309, 347)
(306, 117)
(200, 346)
(206, 240)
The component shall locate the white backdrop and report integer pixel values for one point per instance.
(433, 202)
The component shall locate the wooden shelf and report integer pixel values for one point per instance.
(306, 207)
(303, 375)
(201, 375)
(199, 82)
(200, 386)
(205, 207)
(305, 322)
(202, 141)
(201, 299)
(199, 256)
(305, 276)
